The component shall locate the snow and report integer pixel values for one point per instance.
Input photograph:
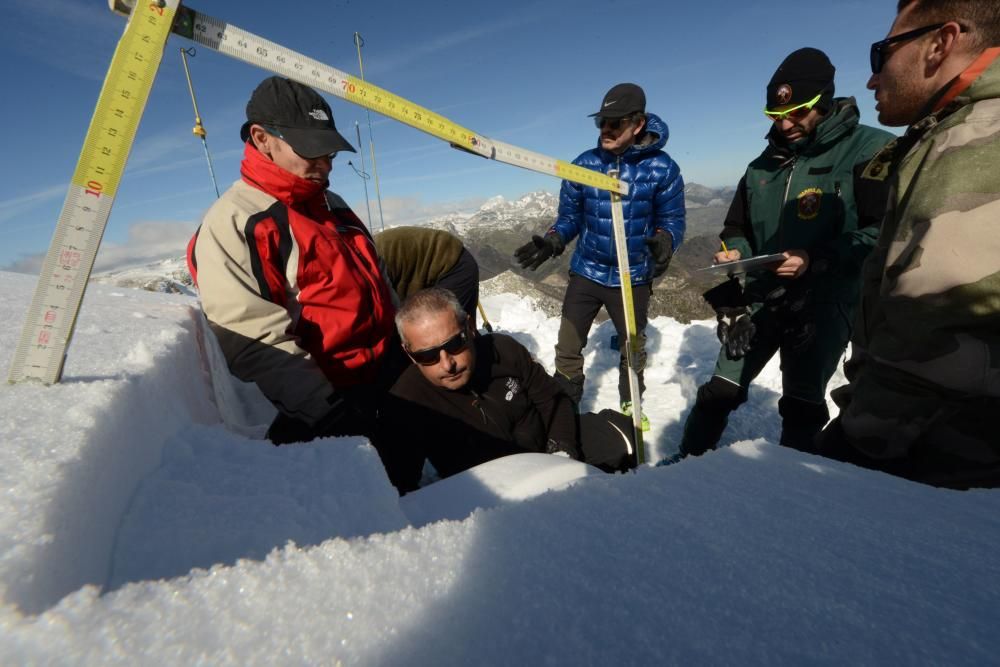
(143, 521)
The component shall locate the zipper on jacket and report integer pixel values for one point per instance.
(784, 200)
(477, 403)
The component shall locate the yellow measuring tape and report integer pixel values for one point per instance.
(242, 45)
(63, 278)
(631, 331)
(49, 326)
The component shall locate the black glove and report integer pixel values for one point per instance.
(556, 446)
(736, 329)
(798, 323)
(346, 416)
(540, 248)
(661, 247)
(792, 305)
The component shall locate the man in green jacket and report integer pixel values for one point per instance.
(419, 257)
(803, 199)
(924, 373)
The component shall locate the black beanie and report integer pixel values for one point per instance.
(801, 76)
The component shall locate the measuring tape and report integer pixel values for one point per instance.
(48, 329)
(242, 45)
(631, 331)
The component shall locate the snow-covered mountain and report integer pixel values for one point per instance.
(499, 213)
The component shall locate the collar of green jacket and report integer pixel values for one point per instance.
(842, 119)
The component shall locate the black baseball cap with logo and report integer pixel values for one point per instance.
(622, 100)
(298, 114)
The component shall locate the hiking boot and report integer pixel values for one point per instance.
(627, 411)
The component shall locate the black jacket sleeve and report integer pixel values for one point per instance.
(737, 233)
(552, 404)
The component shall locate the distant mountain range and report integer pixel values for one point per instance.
(493, 232)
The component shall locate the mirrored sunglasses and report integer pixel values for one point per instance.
(432, 355)
(796, 112)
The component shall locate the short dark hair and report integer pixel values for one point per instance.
(980, 17)
(425, 302)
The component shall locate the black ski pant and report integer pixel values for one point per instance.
(805, 372)
(584, 299)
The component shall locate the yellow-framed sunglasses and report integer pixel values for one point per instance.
(795, 112)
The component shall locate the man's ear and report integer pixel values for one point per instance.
(640, 127)
(943, 44)
(261, 139)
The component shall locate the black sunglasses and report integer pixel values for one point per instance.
(879, 52)
(613, 123)
(432, 355)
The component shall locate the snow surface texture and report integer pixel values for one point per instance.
(137, 528)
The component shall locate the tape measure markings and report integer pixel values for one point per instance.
(63, 277)
(265, 54)
(48, 328)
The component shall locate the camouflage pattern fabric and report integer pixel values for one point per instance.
(925, 370)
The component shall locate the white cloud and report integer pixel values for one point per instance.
(147, 242)
(17, 206)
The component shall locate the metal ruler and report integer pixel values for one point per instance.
(631, 333)
(48, 329)
(228, 39)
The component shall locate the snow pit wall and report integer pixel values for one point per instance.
(131, 415)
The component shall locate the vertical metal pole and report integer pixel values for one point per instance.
(199, 129)
(364, 175)
(359, 42)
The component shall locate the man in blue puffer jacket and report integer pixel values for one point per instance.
(631, 142)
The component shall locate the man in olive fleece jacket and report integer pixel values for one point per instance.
(419, 257)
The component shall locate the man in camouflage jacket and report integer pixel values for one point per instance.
(925, 372)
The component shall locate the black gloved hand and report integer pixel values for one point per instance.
(736, 329)
(568, 448)
(540, 248)
(661, 247)
(346, 416)
(798, 320)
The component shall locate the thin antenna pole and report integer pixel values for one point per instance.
(199, 129)
(364, 176)
(359, 42)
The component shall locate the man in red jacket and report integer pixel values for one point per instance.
(289, 277)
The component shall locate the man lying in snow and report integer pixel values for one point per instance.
(469, 399)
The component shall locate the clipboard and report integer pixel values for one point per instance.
(745, 265)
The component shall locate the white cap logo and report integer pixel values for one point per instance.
(319, 114)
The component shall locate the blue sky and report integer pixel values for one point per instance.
(523, 72)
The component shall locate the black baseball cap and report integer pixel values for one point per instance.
(800, 77)
(622, 100)
(298, 113)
